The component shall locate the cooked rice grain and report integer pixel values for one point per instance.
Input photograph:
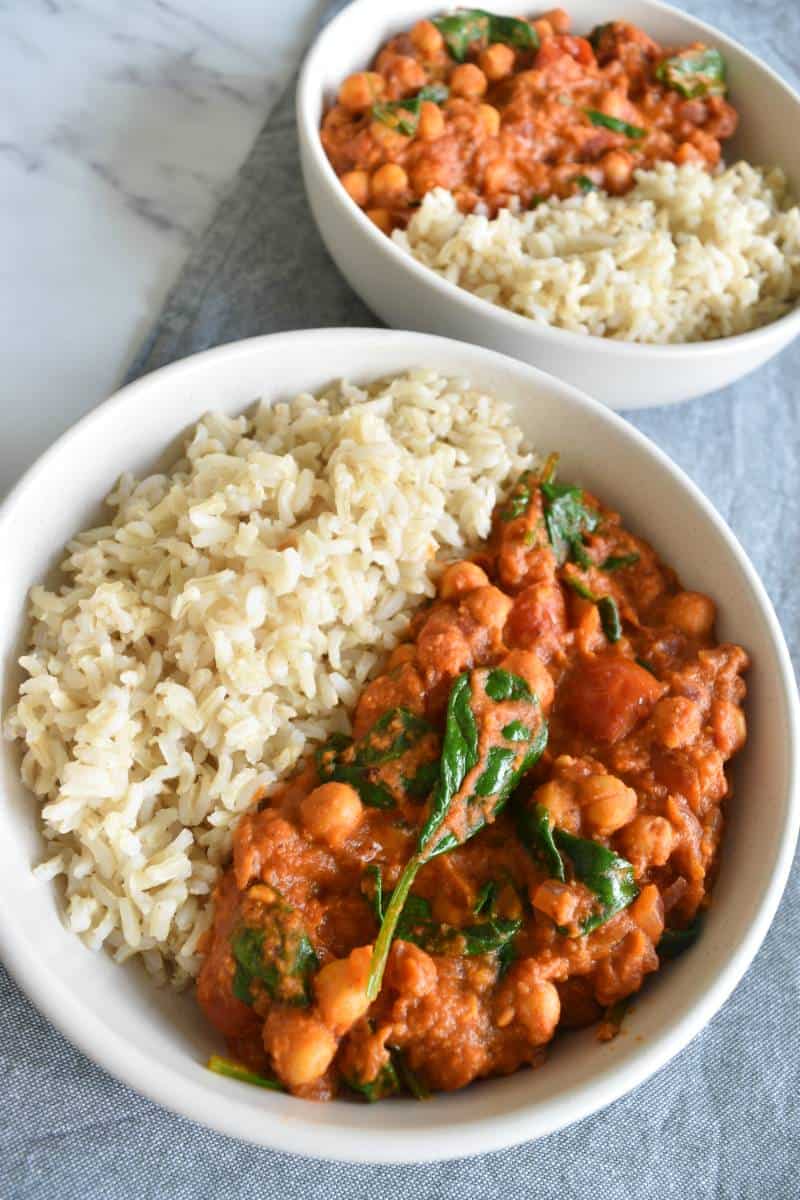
(683, 257)
(224, 620)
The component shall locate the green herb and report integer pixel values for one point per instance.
(603, 872)
(384, 1084)
(409, 1079)
(586, 184)
(224, 1066)
(420, 784)
(601, 118)
(616, 562)
(489, 936)
(606, 607)
(403, 115)
(503, 767)
(567, 518)
(694, 73)
(462, 28)
(673, 942)
(392, 736)
(519, 499)
(276, 952)
(415, 923)
(642, 662)
(515, 731)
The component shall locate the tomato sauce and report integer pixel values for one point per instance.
(550, 114)
(498, 947)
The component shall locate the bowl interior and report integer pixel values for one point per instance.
(765, 136)
(156, 1040)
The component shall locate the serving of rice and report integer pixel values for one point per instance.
(683, 257)
(223, 622)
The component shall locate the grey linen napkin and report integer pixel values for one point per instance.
(722, 1121)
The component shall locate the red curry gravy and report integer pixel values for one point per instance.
(538, 112)
(618, 669)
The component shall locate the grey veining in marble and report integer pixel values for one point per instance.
(722, 1121)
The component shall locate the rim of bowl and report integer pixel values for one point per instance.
(236, 1117)
(308, 126)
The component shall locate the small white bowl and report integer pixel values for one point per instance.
(157, 1041)
(407, 295)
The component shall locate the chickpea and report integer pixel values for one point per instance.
(498, 176)
(361, 90)
(391, 142)
(692, 613)
(389, 183)
(687, 153)
(538, 1009)
(427, 39)
(490, 119)
(729, 726)
(558, 797)
(617, 170)
(302, 1048)
(382, 218)
(331, 812)
(428, 174)
(341, 990)
(607, 803)
(405, 652)
(356, 184)
(497, 61)
(543, 28)
(406, 74)
(530, 667)
(468, 81)
(677, 721)
(460, 578)
(431, 121)
(558, 19)
(411, 970)
(489, 606)
(648, 840)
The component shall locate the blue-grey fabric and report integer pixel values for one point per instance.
(722, 1121)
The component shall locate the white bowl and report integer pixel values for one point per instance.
(157, 1041)
(407, 295)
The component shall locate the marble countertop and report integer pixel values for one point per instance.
(121, 125)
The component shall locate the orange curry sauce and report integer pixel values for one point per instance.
(516, 123)
(643, 715)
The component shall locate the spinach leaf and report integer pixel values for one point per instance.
(384, 1084)
(694, 73)
(487, 937)
(403, 115)
(601, 118)
(567, 518)
(516, 731)
(615, 562)
(403, 730)
(503, 767)
(419, 785)
(408, 1078)
(415, 922)
(485, 898)
(642, 662)
(275, 951)
(392, 735)
(460, 29)
(606, 607)
(597, 34)
(518, 501)
(535, 831)
(586, 184)
(224, 1066)
(673, 942)
(603, 872)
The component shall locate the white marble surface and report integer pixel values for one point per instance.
(121, 124)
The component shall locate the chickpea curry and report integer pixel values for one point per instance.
(523, 826)
(500, 110)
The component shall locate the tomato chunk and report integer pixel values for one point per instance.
(607, 695)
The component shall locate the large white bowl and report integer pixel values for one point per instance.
(408, 295)
(157, 1041)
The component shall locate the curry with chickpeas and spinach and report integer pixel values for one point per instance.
(523, 826)
(500, 110)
